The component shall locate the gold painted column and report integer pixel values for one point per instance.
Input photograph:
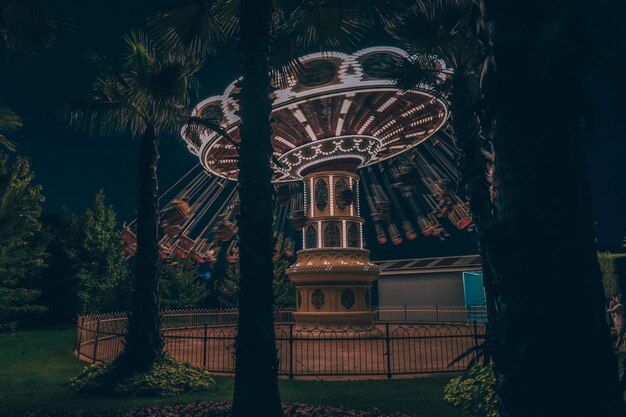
(333, 274)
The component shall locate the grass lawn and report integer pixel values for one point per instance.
(35, 367)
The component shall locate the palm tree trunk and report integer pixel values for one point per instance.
(143, 343)
(256, 383)
(553, 353)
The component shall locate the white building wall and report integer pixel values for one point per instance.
(442, 288)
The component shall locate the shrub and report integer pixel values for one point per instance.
(613, 267)
(167, 377)
(211, 409)
(180, 287)
(473, 392)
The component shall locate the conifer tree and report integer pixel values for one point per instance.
(22, 254)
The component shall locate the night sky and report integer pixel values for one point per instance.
(72, 166)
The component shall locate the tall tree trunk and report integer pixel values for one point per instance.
(553, 353)
(473, 168)
(143, 343)
(256, 383)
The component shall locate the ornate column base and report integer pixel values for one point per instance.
(333, 287)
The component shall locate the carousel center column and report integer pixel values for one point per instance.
(333, 274)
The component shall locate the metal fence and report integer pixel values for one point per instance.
(431, 314)
(206, 338)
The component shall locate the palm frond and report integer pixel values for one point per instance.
(327, 24)
(227, 12)
(198, 125)
(139, 54)
(285, 57)
(106, 69)
(101, 117)
(152, 88)
(381, 11)
(7, 143)
(476, 352)
(27, 27)
(9, 122)
(416, 70)
(199, 24)
(416, 30)
(228, 15)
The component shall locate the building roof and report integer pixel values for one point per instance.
(424, 265)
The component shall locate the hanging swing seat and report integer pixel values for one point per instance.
(460, 216)
(129, 242)
(179, 252)
(425, 225)
(232, 255)
(224, 230)
(290, 248)
(381, 237)
(186, 243)
(283, 195)
(171, 230)
(409, 231)
(176, 213)
(211, 255)
(198, 257)
(297, 219)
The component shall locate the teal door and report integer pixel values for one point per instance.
(474, 296)
(473, 288)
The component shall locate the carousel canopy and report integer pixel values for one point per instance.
(338, 107)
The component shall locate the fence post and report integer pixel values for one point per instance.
(79, 338)
(406, 320)
(291, 351)
(95, 345)
(436, 313)
(204, 343)
(387, 342)
(475, 328)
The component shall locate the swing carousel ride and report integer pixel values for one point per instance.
(343, 135)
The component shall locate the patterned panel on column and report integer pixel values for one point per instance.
(347, 298)
(321, 195)
(318, 299)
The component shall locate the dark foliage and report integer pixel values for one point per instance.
(58, 283)
(533, 48)
(211, 409)
(180, 287)
(22, 254)
(166, 377)
(86, 272)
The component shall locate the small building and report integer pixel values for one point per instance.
(446, 281)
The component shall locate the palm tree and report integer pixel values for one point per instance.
(267, 52)
(542, 242)
(444, 30)
(9, 121)
(148, 98)
(256, 369)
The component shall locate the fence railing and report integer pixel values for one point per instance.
(206, 338)
(430, 314)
